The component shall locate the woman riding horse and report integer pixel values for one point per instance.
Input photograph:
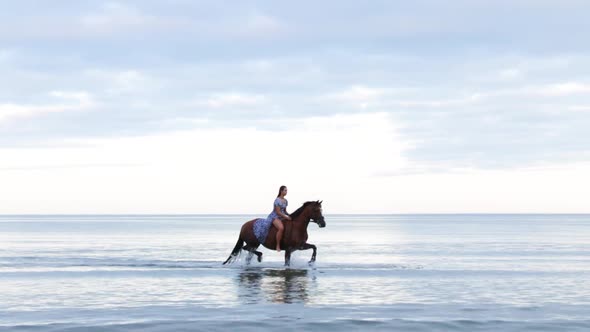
(295, 234)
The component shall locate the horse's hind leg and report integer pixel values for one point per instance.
(258, 256)
(251, 252)
(249, 257)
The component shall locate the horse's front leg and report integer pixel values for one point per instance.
(288, 252)
(306, 246)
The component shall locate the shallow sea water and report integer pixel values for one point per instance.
(373, 272)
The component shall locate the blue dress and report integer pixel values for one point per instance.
(262, 226)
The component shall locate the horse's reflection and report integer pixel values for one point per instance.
(280, 285)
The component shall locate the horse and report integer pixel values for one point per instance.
(294, 235)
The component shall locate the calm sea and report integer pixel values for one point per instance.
(373, 272)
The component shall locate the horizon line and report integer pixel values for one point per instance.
(253, 213)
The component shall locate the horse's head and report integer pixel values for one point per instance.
(316, 213)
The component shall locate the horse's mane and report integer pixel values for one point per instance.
(300, 210)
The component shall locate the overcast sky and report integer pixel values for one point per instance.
(372, 106)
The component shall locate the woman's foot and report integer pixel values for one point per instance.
(278, 249)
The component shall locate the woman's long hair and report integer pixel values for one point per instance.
(281, 190)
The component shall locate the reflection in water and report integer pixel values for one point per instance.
(273, 285)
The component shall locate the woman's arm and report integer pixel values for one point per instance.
(280, 213)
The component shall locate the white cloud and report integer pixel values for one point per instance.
(564, 89)
(544, 90)
(6, 55)
(205, 170)
(122, 81)
(436, 103)
(236, 170)
(579, 108)
(83, 99)
(77, 101)
(112, 16)
(510, 74)
(530, 91)
(363, 96)
(114, 20)
(225, 100)
(548, 189)
(129, 80)
(115, 17)
(358, 94)
(246, 24)
(259, 24)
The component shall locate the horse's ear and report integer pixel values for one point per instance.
(320, 202)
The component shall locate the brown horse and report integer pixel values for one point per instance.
(294, 236)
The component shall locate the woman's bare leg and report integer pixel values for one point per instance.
(279, 225)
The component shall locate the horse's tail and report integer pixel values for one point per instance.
(236, 252)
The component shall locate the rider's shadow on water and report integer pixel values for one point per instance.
(274, 286)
